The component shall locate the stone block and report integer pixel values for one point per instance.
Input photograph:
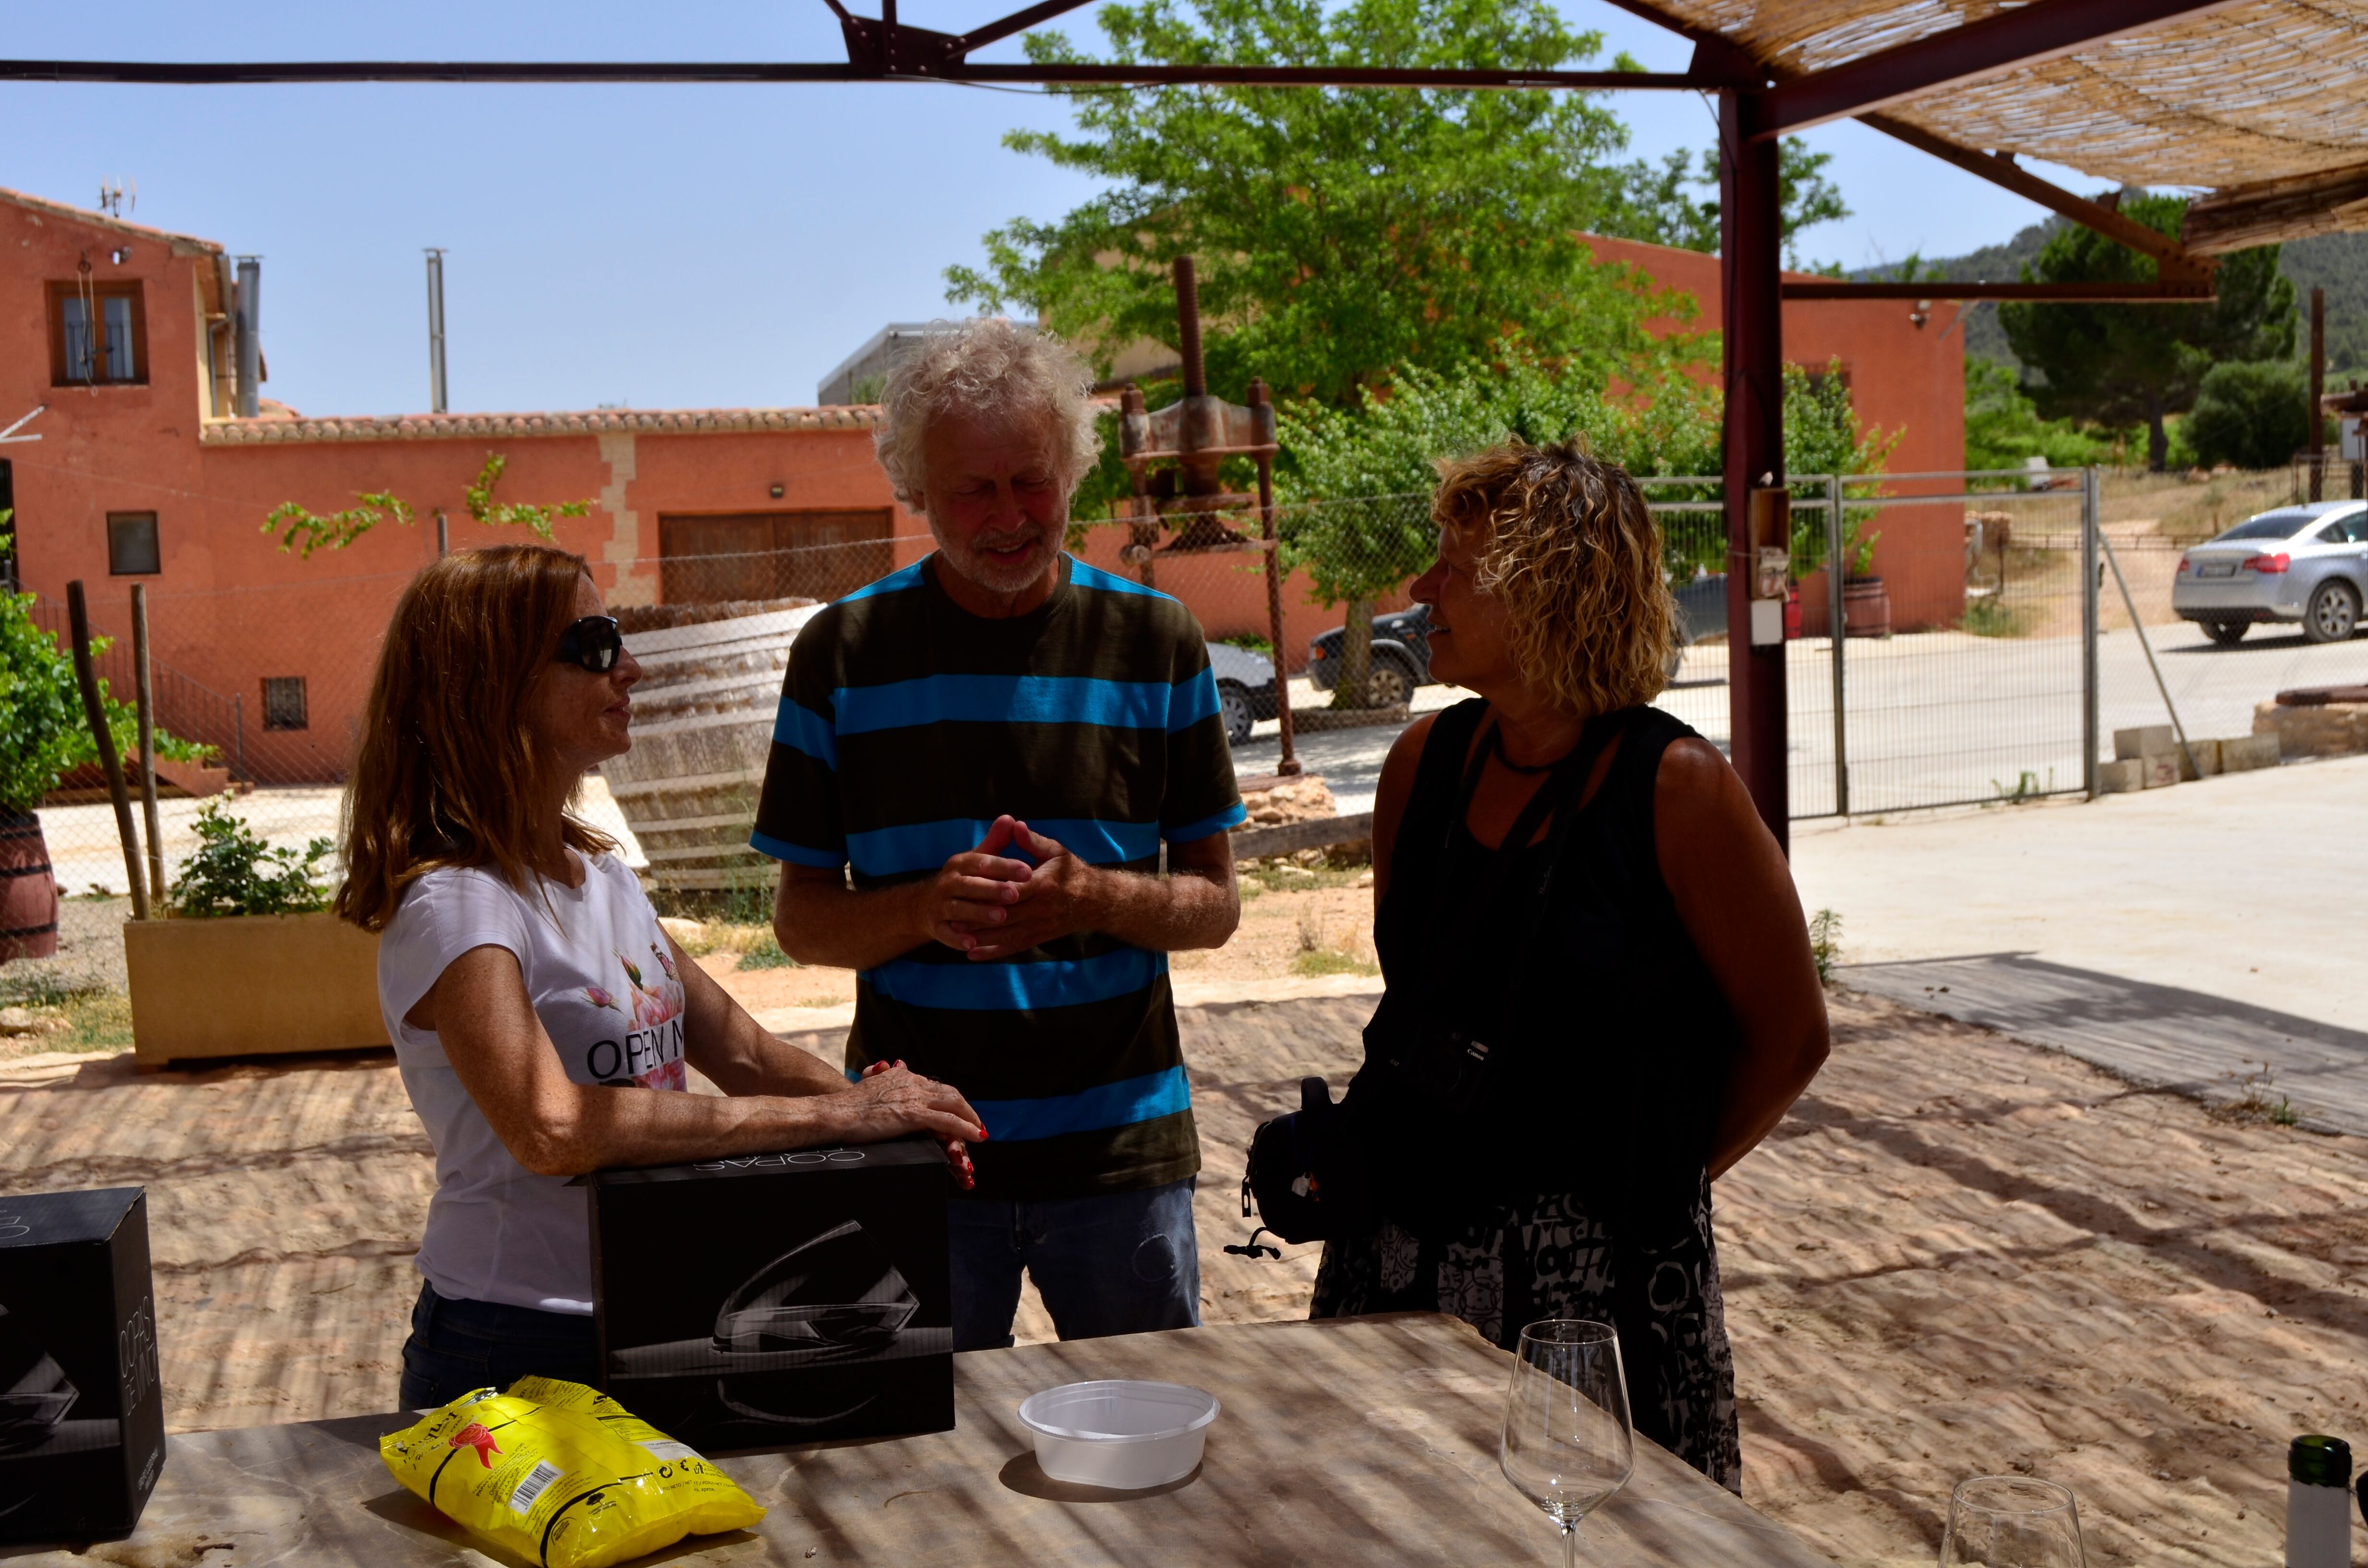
(2207, 760)
(2333, 729)
(2144, 741)
(1273, 802)
(2243, 754)
(2163, 768)
(2121, 776)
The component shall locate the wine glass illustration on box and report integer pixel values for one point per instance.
(2012, 1521)
(1568, 1442)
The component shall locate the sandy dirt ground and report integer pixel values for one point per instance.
(1959, 1255)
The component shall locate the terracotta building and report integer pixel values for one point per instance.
(125, 339)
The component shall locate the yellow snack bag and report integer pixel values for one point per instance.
(714, 1500)
(556, 1486)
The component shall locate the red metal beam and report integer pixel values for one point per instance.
(2171, 259)
(904, 68)
(2181, 293)
(1018, 22)
(2003, 40)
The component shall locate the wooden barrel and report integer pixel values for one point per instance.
(1866, 607)
(29, 891)
(703, 729)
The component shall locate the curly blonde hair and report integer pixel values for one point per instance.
(1566, 541)
(987, 366)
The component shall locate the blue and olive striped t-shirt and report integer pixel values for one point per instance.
(907, 725)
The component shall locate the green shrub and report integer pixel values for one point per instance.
(1991, 616)
(765, 953)
(43, 731)
(2003, 428)
(236, 873)
(2249, 414)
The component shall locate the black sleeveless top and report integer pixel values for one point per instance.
(1617, 1041)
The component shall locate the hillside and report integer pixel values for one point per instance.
(2337, 263)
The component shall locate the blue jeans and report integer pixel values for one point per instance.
(1115, 1263)
(457, 1345)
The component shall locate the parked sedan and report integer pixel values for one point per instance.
(2307, 564)
(1245, 687)
(1401, 656)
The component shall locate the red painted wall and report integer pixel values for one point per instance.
(228, 610)
(1902, 377)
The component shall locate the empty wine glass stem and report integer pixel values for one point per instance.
(1570, 1543)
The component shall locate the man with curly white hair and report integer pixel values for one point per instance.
(976, 763)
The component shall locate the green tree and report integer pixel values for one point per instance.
(2003, 428)
(2252, 415)
(1658, 201)
(1340, 235)
(1361, 478)
(2120, 364)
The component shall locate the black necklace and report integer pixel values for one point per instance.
(1496, 749)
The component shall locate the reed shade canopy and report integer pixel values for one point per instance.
(2262, 103)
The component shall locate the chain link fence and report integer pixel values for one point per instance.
(1966, 671)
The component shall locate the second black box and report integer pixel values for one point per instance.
(773, 1299)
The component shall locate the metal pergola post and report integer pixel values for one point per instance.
(1751, 309)
(2092, 573)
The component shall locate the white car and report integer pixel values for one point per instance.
(1245, 687)
(2307, 564)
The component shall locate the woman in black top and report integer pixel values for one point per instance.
(1600, 991)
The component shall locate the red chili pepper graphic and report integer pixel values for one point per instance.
(474, 1435)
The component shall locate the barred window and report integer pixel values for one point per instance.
(283, 702)
(132, 549)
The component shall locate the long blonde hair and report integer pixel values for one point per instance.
(447, 772)
(1566, 541)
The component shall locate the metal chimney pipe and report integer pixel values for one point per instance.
(249, 329)
(436, 331)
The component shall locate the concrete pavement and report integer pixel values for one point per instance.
(2178, 935)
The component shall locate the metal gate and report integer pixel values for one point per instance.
(1966, 674)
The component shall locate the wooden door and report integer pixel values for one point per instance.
(771, 555)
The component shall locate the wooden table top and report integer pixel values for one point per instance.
(1360, 1442)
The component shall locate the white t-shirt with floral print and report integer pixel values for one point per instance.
(603, 982)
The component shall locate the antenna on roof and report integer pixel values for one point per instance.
(117, 196)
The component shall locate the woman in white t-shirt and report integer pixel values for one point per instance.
(541, 1018)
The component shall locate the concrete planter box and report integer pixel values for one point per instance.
(251, 986)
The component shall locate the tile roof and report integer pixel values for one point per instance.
(101, 220)
(598, 422)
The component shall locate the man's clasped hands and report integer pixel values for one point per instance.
(990, 903)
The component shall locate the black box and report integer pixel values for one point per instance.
(82, 1410)
(773, 1299)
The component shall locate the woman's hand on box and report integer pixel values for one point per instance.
(891, 1100)
(957, 1154)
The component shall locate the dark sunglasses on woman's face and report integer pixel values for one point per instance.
(593, 642)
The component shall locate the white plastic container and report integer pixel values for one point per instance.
(1125, 1435)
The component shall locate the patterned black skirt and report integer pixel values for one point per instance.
(1548, 1258)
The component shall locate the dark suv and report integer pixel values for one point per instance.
(1402, 643)
(1401, 656)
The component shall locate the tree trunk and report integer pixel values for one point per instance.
(2157, 441)
(1354, 687)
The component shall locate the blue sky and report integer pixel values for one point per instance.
(661, 246)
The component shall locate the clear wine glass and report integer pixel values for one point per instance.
(2012, 1521)
(1568, 1442)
